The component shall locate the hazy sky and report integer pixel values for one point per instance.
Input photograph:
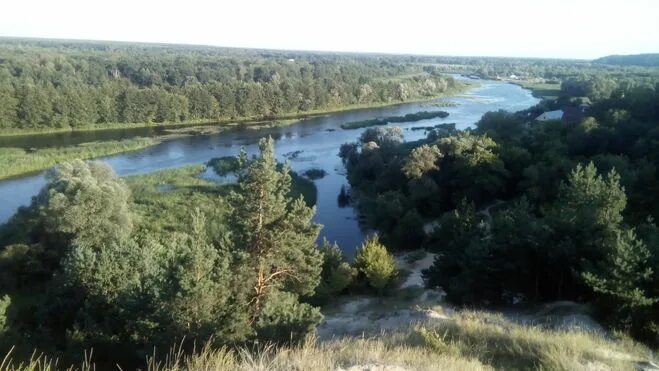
(528, 28)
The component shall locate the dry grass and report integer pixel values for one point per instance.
(469, 341)
(334, 355)
(504, 345)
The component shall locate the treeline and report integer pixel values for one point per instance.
(550, 70)
(647, 60)
(68, 85)
(526, 212)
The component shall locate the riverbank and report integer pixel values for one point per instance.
(318, 139)
(540, 90)
(15, 162)
(254, 122)
(18, 161)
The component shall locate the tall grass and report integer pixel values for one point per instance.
(504, 345)
(18, 161)
(471, 341)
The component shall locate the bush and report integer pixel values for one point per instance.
(284, 319)
(376, 264)
(314, 174)
(336, 275)
(224, 165)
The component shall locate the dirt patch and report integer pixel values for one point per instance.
(415, 278)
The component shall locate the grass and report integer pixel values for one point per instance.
(541, 89)
(473, 341)
(18, 161)
(410, 117)
(494, 341)
(161, 200)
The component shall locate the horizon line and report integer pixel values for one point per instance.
(324, 51)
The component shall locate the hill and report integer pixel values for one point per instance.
(645, 60)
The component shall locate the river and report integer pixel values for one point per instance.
(317, 139)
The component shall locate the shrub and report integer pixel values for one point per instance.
(376, 264)
(314, 174)
(336, 275)
(224, 165)
(284, 319)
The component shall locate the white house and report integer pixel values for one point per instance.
(550, 116)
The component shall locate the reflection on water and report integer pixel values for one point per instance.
(310, 143)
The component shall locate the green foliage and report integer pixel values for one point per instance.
(51, 85)
(161, 200)
(501, 125)
(382, 136)
(24, 265)
(410, 117)
(376, 265)
(275, 233)
(199, 303)
(85, 203)
(224, 165)
(192, 260)
(336, 275)
(17, 161)
(421, 160)
(285, 319)
(587, 212)
(627, 293)
(551, 227)
(452, 241)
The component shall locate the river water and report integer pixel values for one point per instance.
(316, 141)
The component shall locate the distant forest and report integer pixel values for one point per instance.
(50, 84)
(647, 60)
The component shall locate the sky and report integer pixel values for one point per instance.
(583, 29)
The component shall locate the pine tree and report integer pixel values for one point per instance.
(584, 220)
(200, 285)
(624, 282)
(275, 233)
(336, 275)
(376, 264)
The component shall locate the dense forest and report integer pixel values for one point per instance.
(48, 84)
(131, 267)
(528, 212)
(647, 60)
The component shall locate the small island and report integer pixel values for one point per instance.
(410, 117)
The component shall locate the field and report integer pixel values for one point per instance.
(541, 89)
